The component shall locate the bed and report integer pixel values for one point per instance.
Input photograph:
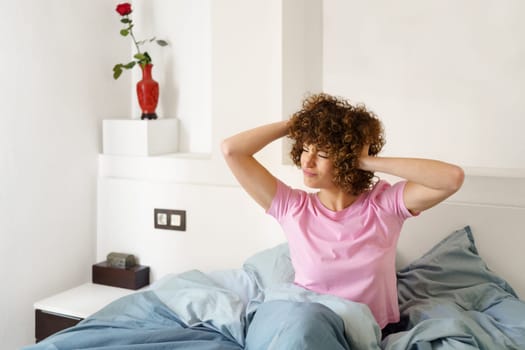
(460, 280)
(449, 299)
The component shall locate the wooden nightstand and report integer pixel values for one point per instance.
(66, 309)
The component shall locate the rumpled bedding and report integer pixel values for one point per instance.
(449, 297)
(194, 310)
(452, 300)
(138, 321)
(199, 299)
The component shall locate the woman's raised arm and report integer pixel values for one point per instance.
(429, 181)
(239, 150)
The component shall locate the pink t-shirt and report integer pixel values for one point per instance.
(349, 253)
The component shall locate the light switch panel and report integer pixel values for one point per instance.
(170, 219)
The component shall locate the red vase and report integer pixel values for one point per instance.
(148, 93)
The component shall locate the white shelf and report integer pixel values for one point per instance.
(135, 137)
(82, 301)
(187, 168)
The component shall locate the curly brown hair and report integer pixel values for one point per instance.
(341, 129)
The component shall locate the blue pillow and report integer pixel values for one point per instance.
(452, 270)
(449, 296)
(271, 266)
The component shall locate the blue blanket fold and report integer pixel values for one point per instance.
(138, 321)
(454, 301)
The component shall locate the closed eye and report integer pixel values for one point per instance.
(320, 154)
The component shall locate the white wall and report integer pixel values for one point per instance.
(56, 86)
(302, 56)
(223, 224)
(446, 77)
(183, 69)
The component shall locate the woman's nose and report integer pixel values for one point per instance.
(309, 160)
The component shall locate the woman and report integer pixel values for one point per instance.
(342, 238)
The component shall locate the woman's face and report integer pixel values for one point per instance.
(317, 167)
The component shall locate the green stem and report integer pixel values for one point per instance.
(133, 36)
(134, 41)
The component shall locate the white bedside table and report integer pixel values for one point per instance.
(66, 309)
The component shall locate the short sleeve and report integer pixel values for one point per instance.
(285, 200)
(390, 198)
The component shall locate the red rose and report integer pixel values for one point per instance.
(124, 8)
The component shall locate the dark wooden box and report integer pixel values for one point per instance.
(131, 278)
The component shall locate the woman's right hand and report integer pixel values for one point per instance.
(363, 158)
